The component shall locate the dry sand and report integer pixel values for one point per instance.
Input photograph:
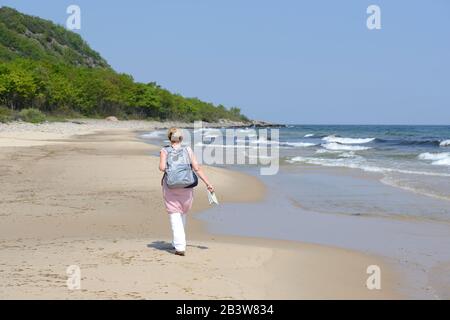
(95, 201)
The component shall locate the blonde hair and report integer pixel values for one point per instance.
(175, 135)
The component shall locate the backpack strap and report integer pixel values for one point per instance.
(168, 148)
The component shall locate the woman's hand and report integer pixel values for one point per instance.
(210, 188)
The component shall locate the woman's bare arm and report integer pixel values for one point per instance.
(162, 160)
(199, 172)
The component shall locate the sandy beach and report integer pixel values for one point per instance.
(91, 197)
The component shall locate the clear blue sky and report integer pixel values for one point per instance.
(284, 61)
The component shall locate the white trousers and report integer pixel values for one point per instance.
(178, 223)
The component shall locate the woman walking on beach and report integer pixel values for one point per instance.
(178, 198)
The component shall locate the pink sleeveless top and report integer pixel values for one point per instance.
(178, 200)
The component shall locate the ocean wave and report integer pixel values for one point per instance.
(309, 135)
(445, 143)
(408, 142)
(438, 159)
(297, 144)
(257, 141)
(402, 142)
(153, 134)
(321, 151)
(350, 154)
(339, 154)
(263, 141)
(338, 146)
(360, 163)
(419, 142)
(348, 140)
(343, 162)
(214, 145)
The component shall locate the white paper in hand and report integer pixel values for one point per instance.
(212, 198)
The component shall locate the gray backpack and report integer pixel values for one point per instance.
(179, 173)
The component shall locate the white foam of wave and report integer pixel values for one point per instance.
(153, 134)
(321, 151)
(214, 145)
(360, 163)
(445, 143)
(434, 156)
(348, 140)
(340, 154)
(443, 162)
(338, 146)
(326, 162)
(350, 154)
(395, 183)
(309, 135)
(298, 144)
(437, 159)
(257, 141)
(262, 141)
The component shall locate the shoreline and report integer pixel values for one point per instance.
(88, 215)
(16, 133)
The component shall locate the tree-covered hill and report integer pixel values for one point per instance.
(46, 67)
(35, 38)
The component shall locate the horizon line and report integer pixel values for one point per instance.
(356, 124)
